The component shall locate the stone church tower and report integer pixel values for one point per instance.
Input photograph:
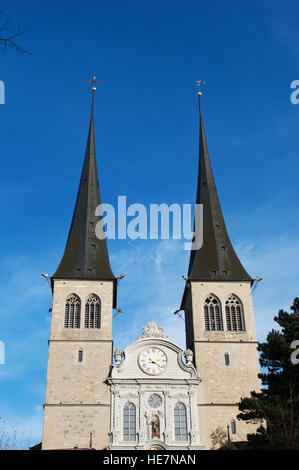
(150, 384)
(77, 406)
(219, 316)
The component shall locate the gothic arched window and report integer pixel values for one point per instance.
(180, 422)
(72, 312)
(129, 422)
(234, 314)
(92, 312)
(213, 314)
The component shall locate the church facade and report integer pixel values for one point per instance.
(155, 396)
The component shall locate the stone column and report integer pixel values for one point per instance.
(168, 419)
(142, 431)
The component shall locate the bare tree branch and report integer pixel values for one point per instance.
(8, 40)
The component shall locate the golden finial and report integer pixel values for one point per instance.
(198, 82)
(94, 81)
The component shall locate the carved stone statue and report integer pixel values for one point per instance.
(151, 329)
(155, 424)
(189, 357)
(118, 356)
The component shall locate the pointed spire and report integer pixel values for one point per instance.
(216, 260)
(85, 256)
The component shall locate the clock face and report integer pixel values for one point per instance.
(152, 361)
(155, 401)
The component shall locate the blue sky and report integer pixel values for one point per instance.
(148, 55)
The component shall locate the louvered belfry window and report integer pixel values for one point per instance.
(72, 312)
(234, 314)
(213, 314)
(93, 312)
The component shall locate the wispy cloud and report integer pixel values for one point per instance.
(286, 30)
(24, 320)
(151, 291)
(21, 431)
(276, 260)
(23, 315)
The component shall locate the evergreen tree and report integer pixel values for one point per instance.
(276, 408)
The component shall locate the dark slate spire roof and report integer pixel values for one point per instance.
(85, 256)
(216, 260)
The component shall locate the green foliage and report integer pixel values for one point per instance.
(276, 408)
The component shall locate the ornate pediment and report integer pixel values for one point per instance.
(152, 330)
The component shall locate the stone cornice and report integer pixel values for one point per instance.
(153, 382)
(224, 341)
(217, 404)
(81, 340)
(76, 404)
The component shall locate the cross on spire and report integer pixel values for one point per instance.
(198, 83)
(94, 81)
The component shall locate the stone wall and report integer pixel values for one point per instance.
(222, 385)
(77, 395)
(69, 426)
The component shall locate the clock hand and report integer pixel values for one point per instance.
(155, 362)
(157, 358)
